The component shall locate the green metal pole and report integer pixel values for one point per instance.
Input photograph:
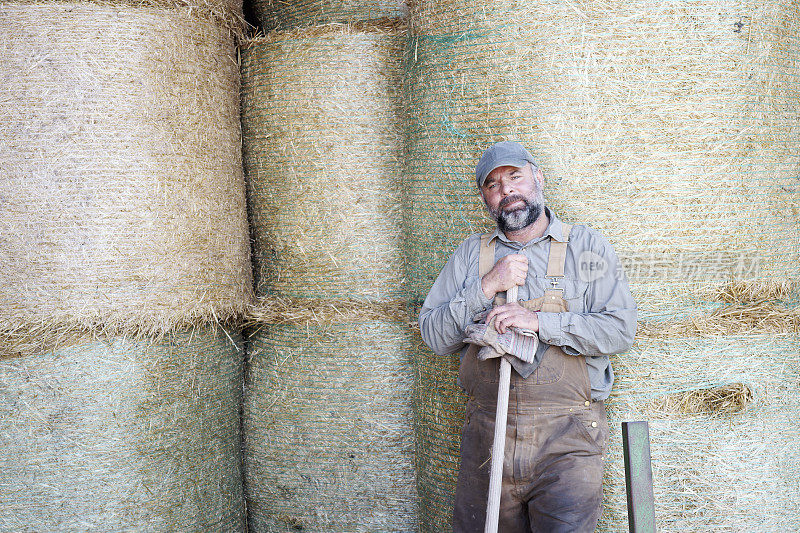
(638, 477)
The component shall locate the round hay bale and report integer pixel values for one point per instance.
(734, 309)
(123, 198)
(123, 435)
(656, 372)
(322, 152)
(328, 428)
(669, 126)
(717, 466)
(439, 413)
(226, 11)
(288, 14)
(715, 474)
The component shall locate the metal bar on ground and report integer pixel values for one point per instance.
(638, 477)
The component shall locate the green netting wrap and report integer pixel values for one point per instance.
(733, 309)
(322, 151)
(671, 127)
(123, 435)
(438, 417)
(328, 428)
(715, 474)
(227, 11)
(723, 427)
(287, 14)
(122, 196)
(656, 370)
(723, 413)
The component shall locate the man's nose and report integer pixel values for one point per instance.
(506, 187)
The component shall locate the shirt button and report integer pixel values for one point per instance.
(586, 403)
(594, 424)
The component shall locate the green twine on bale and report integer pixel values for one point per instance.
(123, 435)
(322, 152)
(328, 427)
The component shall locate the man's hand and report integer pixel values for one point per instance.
(508, 272)
(497, 344)
(515, 315)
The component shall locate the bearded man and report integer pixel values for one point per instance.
(575, 310)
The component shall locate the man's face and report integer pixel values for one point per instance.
(514, 196)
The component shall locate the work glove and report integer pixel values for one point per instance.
(513, 342)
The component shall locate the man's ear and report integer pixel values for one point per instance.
(539, 175)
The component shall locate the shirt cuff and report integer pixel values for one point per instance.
(550, 329)
(475, 299)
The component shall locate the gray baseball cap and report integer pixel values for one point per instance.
(505, 153)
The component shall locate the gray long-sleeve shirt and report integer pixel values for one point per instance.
(602, 313)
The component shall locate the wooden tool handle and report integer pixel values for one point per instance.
(499, 444)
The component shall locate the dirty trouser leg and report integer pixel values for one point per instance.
(564, 492)
(472, 490)
(557, 461)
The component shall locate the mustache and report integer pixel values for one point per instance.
(511, 199)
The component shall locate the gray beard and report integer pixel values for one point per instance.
(519, 218)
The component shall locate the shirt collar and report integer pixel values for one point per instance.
(554, 230)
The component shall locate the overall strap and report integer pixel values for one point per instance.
(557, 257)
(555, 261)
(486, 255)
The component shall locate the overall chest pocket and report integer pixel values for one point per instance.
(574, 291)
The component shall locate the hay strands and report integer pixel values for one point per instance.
(747, 306)
(278, 310)
(723, 400)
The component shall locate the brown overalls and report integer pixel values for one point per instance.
(555, 438)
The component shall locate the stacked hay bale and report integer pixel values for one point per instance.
(288, 14)
(119, 170)
(123, 434)
(327, 411)
(124, 250)
(679, 120)
(723, 417)
(323, 156)
(671, 127)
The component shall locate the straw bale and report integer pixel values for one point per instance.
(723, 422)
(228, 12)
(123, 435)
(669, 126)
(123, 198)
(270, 310)
(732, 309)
(723, 467)
(322, 151)
(328, 428)
(287, 14)
(716, 475)
(747, 368)
(439, 416)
